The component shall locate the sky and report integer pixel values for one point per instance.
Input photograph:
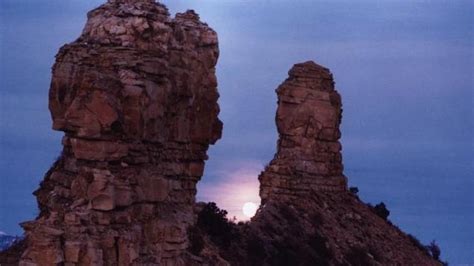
(404, 70)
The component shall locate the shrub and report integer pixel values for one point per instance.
(255, 249)
(354, 190)
(214, 222)
(381, 211)
(434, 250)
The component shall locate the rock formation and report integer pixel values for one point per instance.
(136, 97)
(307, 216)
(308, 156)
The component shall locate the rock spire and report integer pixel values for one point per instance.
(308, 156)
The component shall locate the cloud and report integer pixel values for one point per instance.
(236, 185)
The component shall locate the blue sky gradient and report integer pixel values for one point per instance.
(404, 69)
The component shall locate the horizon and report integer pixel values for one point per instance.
(404, 70)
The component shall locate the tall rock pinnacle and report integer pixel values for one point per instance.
(136, 97)
(309, 153)
(307, 216)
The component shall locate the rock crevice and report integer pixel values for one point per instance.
(308, 155)
(136, 95)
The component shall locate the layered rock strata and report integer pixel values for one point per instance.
(308, 156)
(307, 216)
(136, 97)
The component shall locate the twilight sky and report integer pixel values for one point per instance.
(404, 69)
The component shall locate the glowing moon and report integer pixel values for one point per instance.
(249, 209)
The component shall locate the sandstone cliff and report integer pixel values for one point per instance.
(136, 96)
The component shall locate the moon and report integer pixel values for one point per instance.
(249, 209)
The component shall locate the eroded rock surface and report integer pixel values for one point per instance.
(307, 216)
(308, 156)
(136, 97)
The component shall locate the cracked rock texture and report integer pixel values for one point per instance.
(308, 156)
(307, 216)
(136, 97)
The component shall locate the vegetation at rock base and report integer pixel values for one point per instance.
(241, 242)
(214, 222)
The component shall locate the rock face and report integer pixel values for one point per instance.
(307, 216)
(308, 156)
(136, 97)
